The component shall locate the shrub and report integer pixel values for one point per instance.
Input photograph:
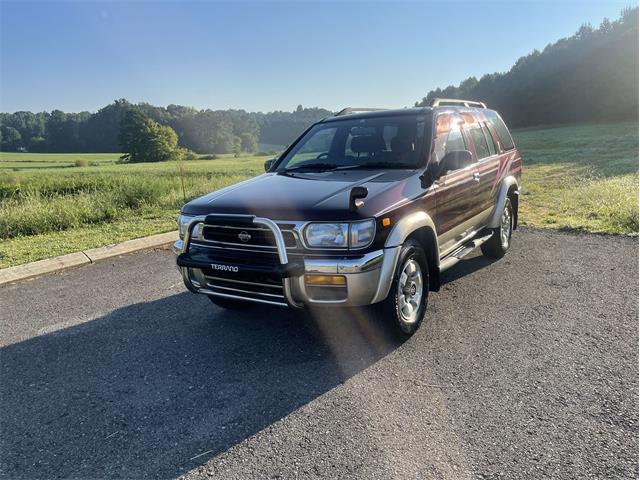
(211, 156)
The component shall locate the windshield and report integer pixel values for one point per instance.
(376, 142)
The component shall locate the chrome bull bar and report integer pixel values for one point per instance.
(242, 220)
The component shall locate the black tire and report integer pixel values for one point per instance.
(500, 241)
(229, 303)
(391, 309)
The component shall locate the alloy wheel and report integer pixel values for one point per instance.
(410, 291)
(505, 227)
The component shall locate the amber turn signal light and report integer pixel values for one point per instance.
(332, 280)
(386, 222)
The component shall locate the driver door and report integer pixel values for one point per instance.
(455, 201)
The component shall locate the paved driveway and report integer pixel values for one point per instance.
(525, 368)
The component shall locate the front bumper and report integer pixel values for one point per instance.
(368, 279)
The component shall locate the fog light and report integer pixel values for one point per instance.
(333, 280)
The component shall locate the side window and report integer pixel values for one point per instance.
(448, 137)
(490, 142)
(455, 141)
(501, 130)
(480, 142)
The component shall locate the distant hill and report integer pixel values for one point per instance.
(591, 76)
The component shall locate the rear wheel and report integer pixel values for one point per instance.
(500, 241)
(229, 303)
(406, 304)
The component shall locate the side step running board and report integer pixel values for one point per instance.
(464, 250)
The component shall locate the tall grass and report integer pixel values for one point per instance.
(32, 203)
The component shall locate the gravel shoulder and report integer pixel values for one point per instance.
(524, 368)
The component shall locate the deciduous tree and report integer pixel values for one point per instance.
(144, 140)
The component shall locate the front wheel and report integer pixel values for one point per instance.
(406, 304)
(500, 241)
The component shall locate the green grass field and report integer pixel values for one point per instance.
(581, 178)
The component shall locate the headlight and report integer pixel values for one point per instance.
(183, 223)
(340, 235)
(329, 235)
(361, 233)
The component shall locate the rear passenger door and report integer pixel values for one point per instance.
(488, 163)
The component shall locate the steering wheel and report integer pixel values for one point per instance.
(323, 155)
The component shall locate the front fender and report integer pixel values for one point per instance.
(507, 184)
(410, 224)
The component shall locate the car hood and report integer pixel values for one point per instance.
(310, 196)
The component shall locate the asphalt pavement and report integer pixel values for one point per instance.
(524, 368)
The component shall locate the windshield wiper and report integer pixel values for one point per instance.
(333, 166)
(312, 166)
(382, 165)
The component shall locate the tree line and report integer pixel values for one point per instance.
(591, 76)
(201, 131)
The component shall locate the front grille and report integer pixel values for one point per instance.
(249, 237)
(269, 291)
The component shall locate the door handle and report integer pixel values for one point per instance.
(476, 177)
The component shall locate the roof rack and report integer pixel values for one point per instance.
(440, 102)
(348, 110)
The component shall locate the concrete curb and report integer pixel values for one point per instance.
(41, 267)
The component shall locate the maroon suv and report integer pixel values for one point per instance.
(365, 207)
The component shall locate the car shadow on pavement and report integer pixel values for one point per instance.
(155, 389)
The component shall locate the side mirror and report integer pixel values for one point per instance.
(268, 164)
(355, 197)
(454, 161)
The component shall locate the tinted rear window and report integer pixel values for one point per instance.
(501, 129)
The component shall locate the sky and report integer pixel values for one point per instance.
(265, 56)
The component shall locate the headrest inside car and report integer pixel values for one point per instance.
(367, 144)
(401, 145)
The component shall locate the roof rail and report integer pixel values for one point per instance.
(440, 102)
(348, 110)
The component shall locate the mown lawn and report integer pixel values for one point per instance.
(581, 178)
